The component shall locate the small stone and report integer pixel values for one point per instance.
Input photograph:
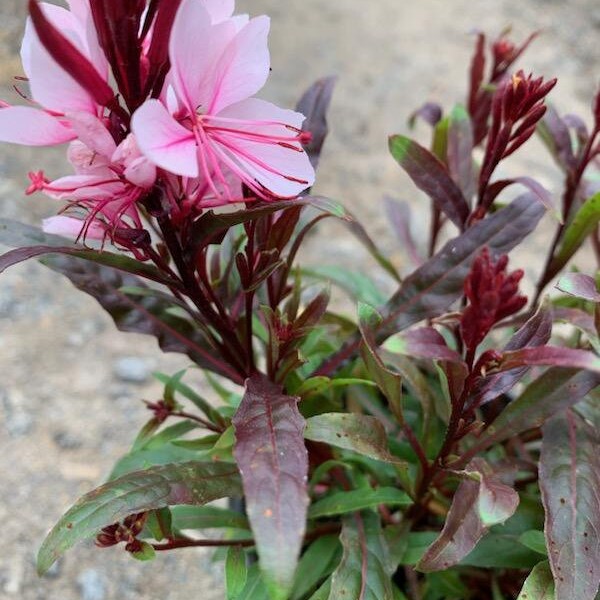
(17, 420)
(66, 440)
(132, 369)
(92, 585)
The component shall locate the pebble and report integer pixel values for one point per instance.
(132, 369)
(91, 585)
(66, 440)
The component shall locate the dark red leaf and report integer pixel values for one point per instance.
(432, 288)
(570, 485)
(273, 461)
(424, 342)
(556, 356)
(430, 112)
(476, 74)
(158, 54)
(481, 500)
(555, 133)
(144, 314)
(431, 176)
(535, 332)
(314, 105)
(555, 390)
(70, 58)
(543, 195)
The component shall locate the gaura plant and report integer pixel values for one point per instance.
(442, 444)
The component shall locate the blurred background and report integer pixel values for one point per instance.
(71, 385)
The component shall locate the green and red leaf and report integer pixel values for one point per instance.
(570, 484)
(273, 462)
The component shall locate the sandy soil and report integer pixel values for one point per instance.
(65, 412)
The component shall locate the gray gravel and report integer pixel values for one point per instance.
(71, 385)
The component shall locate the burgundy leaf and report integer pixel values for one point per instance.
(399, 215)
(476, 77)
(550, 356)
(570, 485)
(579, 285)
(543, 195)
(314, 105)
(432, 288)
(424, 342)
(555, 133)
(140, 314)
(535, 332)
(69, 57)
(430, 112)
(430, 175)
(481, 500)
(158, 54)
(555, 390)
(273, 462)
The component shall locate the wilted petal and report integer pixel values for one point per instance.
(70, 227)
(243, 68)
(164, 141)
(32, 127)
(281, 166)
(141, 172)
(92, 132)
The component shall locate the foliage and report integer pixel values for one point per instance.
(443, 444)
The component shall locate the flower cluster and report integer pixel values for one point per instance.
(493, 294)
(126, 532)
(183, 116)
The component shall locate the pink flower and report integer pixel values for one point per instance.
(64, 100)
(108, 182)
(207, 126)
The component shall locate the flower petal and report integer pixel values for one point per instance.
(32, 127)
(284, 170)
(194, 47)
(70, 227)
(164, 141)
(50, 85)
(219, 10)
(92, 132)
(244, 66)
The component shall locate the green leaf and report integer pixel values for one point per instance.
(174, 384)
(236, 572)
(255, 588)
(207, 517)
(145, 553)
(184, 483)
(539, 585)
(359, 433)
(534, 540)
(315, 564)
(389, 383)
(499, 551)
(356, 284)
(351, 501)
(584, 222)
(364, 572)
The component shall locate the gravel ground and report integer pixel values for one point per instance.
(71, 384)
